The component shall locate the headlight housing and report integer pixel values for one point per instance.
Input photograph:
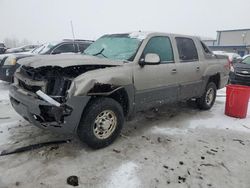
(10, 61)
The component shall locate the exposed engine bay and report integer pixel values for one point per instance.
(52, 80)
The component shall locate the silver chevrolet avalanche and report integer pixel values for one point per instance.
(91, 94)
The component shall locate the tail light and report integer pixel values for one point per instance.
(228, 65)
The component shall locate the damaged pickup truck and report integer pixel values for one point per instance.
(91, 94)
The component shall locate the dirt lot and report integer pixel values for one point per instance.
(174, 146)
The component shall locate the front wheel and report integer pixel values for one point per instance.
(101, 123)
(208, 98)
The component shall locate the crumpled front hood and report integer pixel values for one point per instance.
(66, 60)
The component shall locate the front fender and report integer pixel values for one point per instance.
(114, 76)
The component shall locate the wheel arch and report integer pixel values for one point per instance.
(124, 95)
(215, 79)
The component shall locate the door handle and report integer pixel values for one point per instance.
(174, 71)
(197, 68)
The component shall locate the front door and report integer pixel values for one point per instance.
(156, 84)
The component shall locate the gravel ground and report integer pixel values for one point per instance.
(174, 146)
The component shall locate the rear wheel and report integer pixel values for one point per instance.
(207, 100)
(101, 123)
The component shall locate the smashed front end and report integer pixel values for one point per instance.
(54, 83)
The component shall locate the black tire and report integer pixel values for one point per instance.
(202, 102)
(87, 124)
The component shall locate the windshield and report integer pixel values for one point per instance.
(246, 60)
(115, 47)
(44, 48)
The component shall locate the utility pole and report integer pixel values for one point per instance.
(73, 34)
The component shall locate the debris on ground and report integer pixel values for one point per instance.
(124, 136)
(159, 139)
(207, 164)
(210, 153)
(181, 179)
(224, 166)
(165, 166)
(245, 126)
(72, 180)
(116, 151)
(240, 141)
(4, 117)
(181, 163)
(32, 147)
(17, 183)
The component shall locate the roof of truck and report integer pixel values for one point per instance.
(141, 35)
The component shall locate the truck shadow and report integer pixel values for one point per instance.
(164, 116)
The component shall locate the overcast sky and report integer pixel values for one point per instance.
(49, 20)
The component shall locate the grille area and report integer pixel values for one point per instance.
(28, 87)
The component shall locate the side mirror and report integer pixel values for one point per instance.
(152, 59)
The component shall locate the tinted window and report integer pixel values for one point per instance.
(161, 46)
(186, 48)
(82, 46)
(65, 48)
(205, 48)
(246, 60)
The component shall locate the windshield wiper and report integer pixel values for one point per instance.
(100, 53)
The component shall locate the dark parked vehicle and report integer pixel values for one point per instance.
(240, 72)
(9, 64)
(2, 48)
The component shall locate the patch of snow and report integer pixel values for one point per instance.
(4, 95)
(139, 35)
(168, 131)
(222, 122)
(5, 132)
(124, 176)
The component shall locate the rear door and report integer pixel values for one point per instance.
(156, 83)
(189, 68)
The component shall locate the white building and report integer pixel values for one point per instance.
(237, 40)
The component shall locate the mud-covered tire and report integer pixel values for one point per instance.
(208, 98)
(101, 112)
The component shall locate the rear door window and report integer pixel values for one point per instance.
(186, 49)
(162, 46)
(64, 48)
(205, 48)
(83, 46)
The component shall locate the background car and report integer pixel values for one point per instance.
(240, 72)
(25, 48)
(232, 57)
(2, 48)
(9, 64)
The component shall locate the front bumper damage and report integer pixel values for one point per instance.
(63, 119)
